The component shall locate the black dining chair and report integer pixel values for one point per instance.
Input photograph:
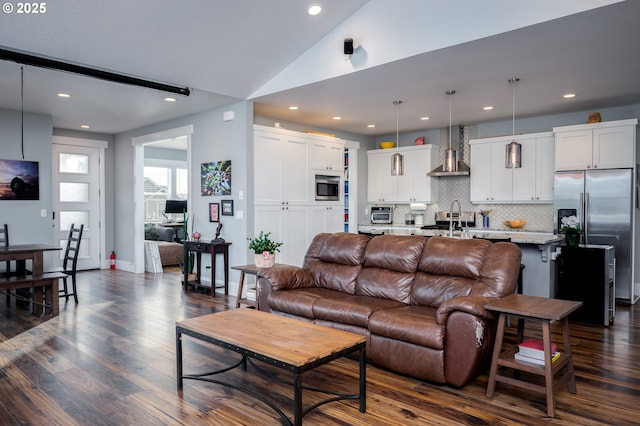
(70, 262)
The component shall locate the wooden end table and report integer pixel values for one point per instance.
(251, 270)
(543, 311)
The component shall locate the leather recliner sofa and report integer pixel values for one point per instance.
(419, 301)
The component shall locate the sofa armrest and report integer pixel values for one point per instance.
(286, 276)
(473, 305)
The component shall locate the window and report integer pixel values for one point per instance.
(163, 182)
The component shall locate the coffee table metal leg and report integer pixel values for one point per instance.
(363, 381)
(179, 359)
(297, 399)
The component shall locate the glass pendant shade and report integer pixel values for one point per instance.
(513, 150)
(513, 155)
(450, 160)
(397, 164)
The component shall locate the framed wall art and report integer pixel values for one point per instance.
(214, 212)
(227, 207)
(215, 178)
(19, 180)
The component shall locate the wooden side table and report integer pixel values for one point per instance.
(212, 248)
(543, 311)
(245, 269)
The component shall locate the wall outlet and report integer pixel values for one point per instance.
(43, 212)
(239, 214)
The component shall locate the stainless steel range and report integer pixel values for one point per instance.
(459, 220)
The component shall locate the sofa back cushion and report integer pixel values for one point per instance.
(458, 267)
(336, 260)
(390, 264)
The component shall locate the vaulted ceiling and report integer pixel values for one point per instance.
(273, 53)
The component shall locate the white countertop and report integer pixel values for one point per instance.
(520, 236)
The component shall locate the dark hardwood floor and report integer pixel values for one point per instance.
(111, 360)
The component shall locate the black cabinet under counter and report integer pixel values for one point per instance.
(586, 273)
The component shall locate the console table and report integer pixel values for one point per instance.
(543, 311)
(212, 248)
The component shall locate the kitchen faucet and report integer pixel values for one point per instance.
(451, 217)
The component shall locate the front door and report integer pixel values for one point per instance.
(76, 200)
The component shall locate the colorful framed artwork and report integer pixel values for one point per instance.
(227, 207)
(19, 180)
(214, 212)
(215, 178)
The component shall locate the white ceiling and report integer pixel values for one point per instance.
(227, 51)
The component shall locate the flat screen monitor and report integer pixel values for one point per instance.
(175, 206)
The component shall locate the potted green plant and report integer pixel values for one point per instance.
(264, 249)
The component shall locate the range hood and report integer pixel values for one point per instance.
(461, 170)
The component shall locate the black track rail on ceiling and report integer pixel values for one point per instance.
(37, 61)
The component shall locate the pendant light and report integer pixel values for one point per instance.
(513, 150)
(397, 159)
(450, 155)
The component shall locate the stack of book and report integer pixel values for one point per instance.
(251, 295)
(532, 350)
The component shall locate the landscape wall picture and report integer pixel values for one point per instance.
(19, 180)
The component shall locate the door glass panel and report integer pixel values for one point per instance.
(73, 217)
(74, 163)
(74, 192)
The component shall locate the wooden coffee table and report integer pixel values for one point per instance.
(292, 345)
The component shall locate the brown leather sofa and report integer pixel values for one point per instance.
(419, 301)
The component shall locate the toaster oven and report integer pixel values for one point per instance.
(381, 215)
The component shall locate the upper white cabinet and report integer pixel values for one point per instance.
(413, 186)
(492, 182)
(281, 168)
(326, 155)
(608, 145)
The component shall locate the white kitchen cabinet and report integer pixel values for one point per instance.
(413, 186)
(325, 218)
(533, 182)
(608, 145)
(288, 225)
(492, 182)
(489, 180)
(281, 168)
(326, 155)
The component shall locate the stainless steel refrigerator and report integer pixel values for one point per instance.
(603, 202)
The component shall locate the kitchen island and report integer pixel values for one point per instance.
(538, 251)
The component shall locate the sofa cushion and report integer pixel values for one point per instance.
(352, 310)
(150, 231)
(450, 268)
(413, 324)
(335, 260)
(301, 300)
(165, 233)
(390, 263)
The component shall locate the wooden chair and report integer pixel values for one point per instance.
(4, 241)
(70, 262)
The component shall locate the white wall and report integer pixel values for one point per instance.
(212, 140)
(23, 217)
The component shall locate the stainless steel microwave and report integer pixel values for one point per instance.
(327, 188)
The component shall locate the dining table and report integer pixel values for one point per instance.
(22, 252)
(34, 252)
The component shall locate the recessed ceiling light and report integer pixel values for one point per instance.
(425, 118)
(487, 108)
(371, 126)
(293, 108)
(64, 95)
(569, 95)
(337, 117)
(85, 126)
(314, 9)
(170, 99)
